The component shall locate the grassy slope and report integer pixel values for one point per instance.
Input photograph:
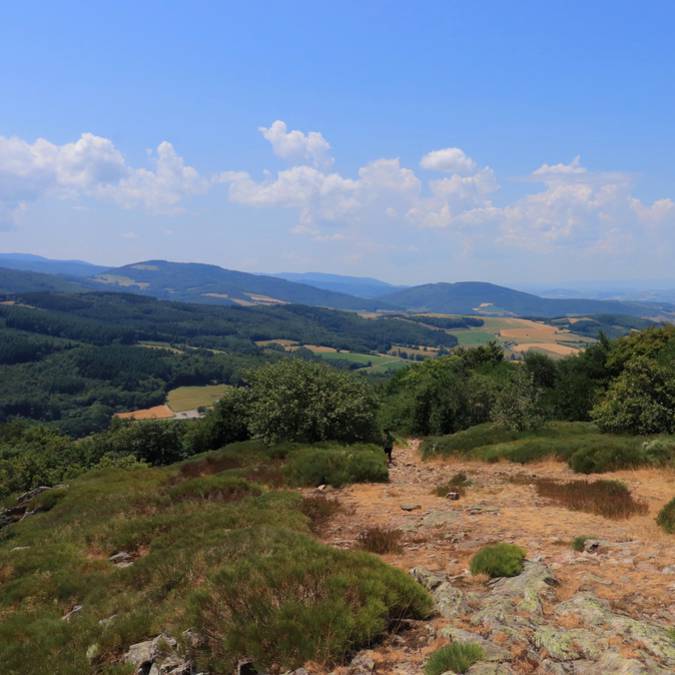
(189, 398)
(581, 444)
(208, 547)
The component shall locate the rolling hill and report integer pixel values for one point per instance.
(19, 281)
(472, 297)
(214, 285)
(363, 287)
(28, 262)
(196, 282)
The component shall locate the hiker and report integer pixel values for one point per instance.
(388, 444)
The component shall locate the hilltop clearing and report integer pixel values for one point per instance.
(605, 608)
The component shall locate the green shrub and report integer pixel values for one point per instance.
(498, 560)
(579, 542)
(380, 540)
(226, 423)
(319, 510)
(608, 498)
(336, 465)
(641, 400)
(458, 483)
(222, 488)
(304, 401)
(457, 657)
(580, 444)
(666, 517)
(517, 404)
(291, 599)
(659, 451)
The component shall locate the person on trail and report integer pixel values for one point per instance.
(388, 444)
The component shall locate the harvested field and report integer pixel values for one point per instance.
(320, 349)
(552, 347)
(277, 341)
(265, 299)
(158, 412)
(189, 398)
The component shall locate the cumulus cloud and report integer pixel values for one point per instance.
(297, 146)
(453, 160)
(566, 206)
(90, 167)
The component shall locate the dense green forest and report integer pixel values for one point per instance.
(73, 360)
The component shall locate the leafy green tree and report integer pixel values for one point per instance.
(517, 405)
(543, 369)
(156, 442)
(641, 400)
(295, 400)
(226, 423)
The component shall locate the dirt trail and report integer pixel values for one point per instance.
(635, 572)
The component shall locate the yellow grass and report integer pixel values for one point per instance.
(265, 299)
(277, 341)
(320, 349)
(553, 347)
(189, 398)
(158, 412)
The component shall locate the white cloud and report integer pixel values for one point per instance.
(566, 207)
(90, 167)
(557, 170)
(296, 146)
(453, 160)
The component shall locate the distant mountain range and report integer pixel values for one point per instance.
(363, 287)
(210, 284)
(36, 263)
(474, 297)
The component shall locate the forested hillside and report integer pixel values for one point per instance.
(73, 360)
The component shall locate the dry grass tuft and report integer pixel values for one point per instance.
(319, 510)
(608, 498)
(208, 466)
(458, 483)
(380, 540)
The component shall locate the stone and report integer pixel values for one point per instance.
(487, 668)
(362, 664)
(93, 651)
(439, 518)
(410, 507)
(121, 559)
(428, 579)
(597, 613)
(75, 610)
(157, 657)
(569, 644)
(512, 596)
(448, 600)
(492, 651)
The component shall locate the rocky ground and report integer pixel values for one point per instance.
(604, 611)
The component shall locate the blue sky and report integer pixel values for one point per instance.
(509, 142)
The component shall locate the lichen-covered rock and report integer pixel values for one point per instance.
(158, 656)
(428, 579)
(569, 644)
(593, 611)
(437, 518)
(486, 668)
(448, 600)
(513, 597)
